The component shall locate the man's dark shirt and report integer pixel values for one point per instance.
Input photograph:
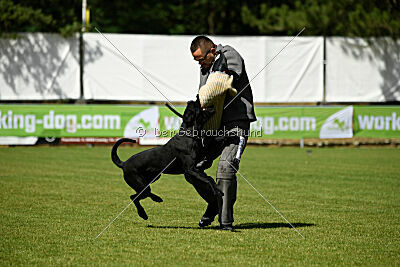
(242, 108)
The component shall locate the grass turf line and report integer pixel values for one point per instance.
(346, 203)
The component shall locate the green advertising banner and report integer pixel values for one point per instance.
(169, 122)
(304, 122)
(158, 121)
(377, 121)
(66, 120)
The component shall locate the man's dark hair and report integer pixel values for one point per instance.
(202, 42)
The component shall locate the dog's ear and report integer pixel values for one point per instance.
(198, 104)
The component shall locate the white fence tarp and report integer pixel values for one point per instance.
(38, 66)
(358, 71)
(295, 75)
(164, 60)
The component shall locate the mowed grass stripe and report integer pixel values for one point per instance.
(345, 201)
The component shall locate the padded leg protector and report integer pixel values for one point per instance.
(229, 188)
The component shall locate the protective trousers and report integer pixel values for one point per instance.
(226, 182)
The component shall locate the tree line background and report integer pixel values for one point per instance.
(363, 18)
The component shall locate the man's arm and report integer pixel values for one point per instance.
(234, 61)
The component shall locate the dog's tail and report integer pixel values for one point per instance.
(114, 155)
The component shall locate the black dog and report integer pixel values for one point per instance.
(184, 150)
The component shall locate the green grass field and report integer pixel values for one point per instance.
(346, 202)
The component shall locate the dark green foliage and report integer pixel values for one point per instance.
(40, 16)
(169, 17)
(15, 17)
(329, 18)
(215, 17)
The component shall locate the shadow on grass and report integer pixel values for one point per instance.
(238, 226)
(271, 225)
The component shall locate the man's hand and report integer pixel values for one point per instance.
(220, 64)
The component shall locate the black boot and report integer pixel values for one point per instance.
(226, 227)
(229, 188)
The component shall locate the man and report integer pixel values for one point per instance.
(236, 118)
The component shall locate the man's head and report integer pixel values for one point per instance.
(203, 51)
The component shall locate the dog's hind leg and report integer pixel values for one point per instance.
(155, 198)
(137, 183)
(142, 213)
